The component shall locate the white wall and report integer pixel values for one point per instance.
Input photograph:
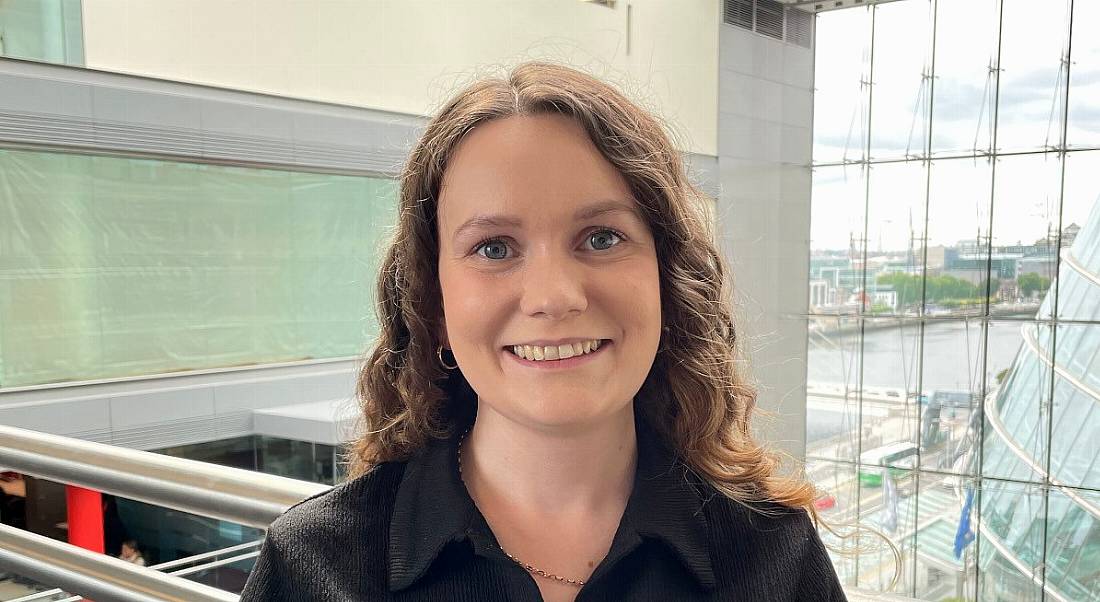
(765, 138)
(408, 55)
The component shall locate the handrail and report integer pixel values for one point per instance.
(233, 494)
(172, 564)
(98, 576)
(191, 564)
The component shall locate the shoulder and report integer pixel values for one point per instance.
(766, 524)
(772, 547)
(330, 546)
(345, 510)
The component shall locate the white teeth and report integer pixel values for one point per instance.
(553, 352)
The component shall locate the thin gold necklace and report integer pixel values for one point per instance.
(530, 568)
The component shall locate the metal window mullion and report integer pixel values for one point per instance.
(945, 157)
(1065, 67)
(992, 192)
(927, 160)
(866, 167)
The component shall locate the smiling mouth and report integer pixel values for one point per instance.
(538, 353)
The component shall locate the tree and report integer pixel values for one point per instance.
(1031, 283)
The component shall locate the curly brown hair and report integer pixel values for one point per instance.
(695, 396)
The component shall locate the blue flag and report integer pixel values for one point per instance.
(964, 535)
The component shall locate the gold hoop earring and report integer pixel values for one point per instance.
(439, 354)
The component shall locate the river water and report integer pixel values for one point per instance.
(954, 355)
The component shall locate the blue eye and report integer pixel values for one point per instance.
(608, 237)
(491, 246)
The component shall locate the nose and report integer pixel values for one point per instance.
(553, 286)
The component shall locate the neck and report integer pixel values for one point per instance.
(560, 472)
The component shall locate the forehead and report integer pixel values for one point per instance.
(527, 165)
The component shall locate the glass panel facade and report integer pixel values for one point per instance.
(895, 237)
(965, 82)
(953, 384)
(42, 30)
(902, 88)
(1083, 123)
(842, 90)
(837, 236)
(116, 266)
(1031, 96)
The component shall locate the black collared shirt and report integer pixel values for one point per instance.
(409, 531)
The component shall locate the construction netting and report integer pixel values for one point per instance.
(115, 266)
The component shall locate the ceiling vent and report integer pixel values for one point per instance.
(771, 18)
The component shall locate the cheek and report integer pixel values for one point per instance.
(469, 307)
(638, 302)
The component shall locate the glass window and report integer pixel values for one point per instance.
(116, 266)
(939, 574)
(995, 240)
(1032, 79)
(901, 94)
(833, 380)
(300, 460)
(891, 378)
(42, 30)
(953, 352)
(838, 505)
(1012, 525)
(895, 237)
(958, 237)
(1083, 127)
(965, 84)
(1018, 374)
(837, 239)
(1078, 291)
(889, 506)
(1075, 446)
(1073, 545)
(238, 452)
(841, 95)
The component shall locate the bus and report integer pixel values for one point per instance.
(901, 457)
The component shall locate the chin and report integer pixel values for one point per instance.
(551, 413)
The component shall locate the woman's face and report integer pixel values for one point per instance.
(542, 244)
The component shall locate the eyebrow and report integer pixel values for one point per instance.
(594, 210)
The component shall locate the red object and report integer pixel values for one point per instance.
(825, 502)
(85, 518)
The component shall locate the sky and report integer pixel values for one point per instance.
(958, 103)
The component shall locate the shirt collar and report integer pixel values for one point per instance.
(433, 508)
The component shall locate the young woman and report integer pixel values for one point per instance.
(553, 409)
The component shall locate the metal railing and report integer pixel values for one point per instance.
(180, 567)
(240, 496)
(98, 576)
(232, 494)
